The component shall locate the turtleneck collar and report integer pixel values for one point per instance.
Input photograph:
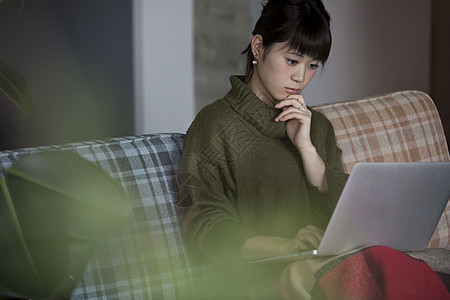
(254, 110)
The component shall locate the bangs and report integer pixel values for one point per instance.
(311, 37)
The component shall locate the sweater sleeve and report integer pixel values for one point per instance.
(211, 227)
(325, 142)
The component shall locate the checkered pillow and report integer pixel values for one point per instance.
(146, 260)
(402, 126)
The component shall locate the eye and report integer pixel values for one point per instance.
(313, 66)
(291, 61)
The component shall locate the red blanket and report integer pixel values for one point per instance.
(378, 273)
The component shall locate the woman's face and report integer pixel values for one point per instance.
(281, 73)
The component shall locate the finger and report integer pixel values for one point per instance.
(300, 246)
(290, 103)
(301, 100)
(297, 97)
(317, 231)
(311, 237)
(293, 113)
(311, 240)
(310, 230)
(306, 242)
(296, 101)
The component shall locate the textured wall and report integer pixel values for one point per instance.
(221, 33)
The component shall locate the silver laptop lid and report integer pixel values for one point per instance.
(392, 204)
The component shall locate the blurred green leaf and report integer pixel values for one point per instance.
(54, 207)
(14, 86)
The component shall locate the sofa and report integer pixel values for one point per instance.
(146, 259)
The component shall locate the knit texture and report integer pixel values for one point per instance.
(240, 176)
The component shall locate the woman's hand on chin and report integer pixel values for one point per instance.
(298, 118)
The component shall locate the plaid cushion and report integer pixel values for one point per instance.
(146, 260)
(402, 126)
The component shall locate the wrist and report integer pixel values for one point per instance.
(262, 246)
(306, 149)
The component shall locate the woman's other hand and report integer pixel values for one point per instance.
(307, 238)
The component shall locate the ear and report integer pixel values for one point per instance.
(256, 45)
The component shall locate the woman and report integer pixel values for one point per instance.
(260, 170)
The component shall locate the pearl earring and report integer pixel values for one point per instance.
(255, 62)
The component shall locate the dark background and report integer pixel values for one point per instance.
(76, 57)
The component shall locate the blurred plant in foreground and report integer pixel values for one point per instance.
(13, 85)
(54, 207)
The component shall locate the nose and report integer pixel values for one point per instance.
(299, 74)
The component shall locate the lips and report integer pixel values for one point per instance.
(293, 91)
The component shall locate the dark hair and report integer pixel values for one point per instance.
(303, 24)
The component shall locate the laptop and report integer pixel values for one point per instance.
(391, 204)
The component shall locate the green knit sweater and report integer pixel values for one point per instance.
(240, 176)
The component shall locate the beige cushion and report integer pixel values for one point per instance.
(402, 126)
